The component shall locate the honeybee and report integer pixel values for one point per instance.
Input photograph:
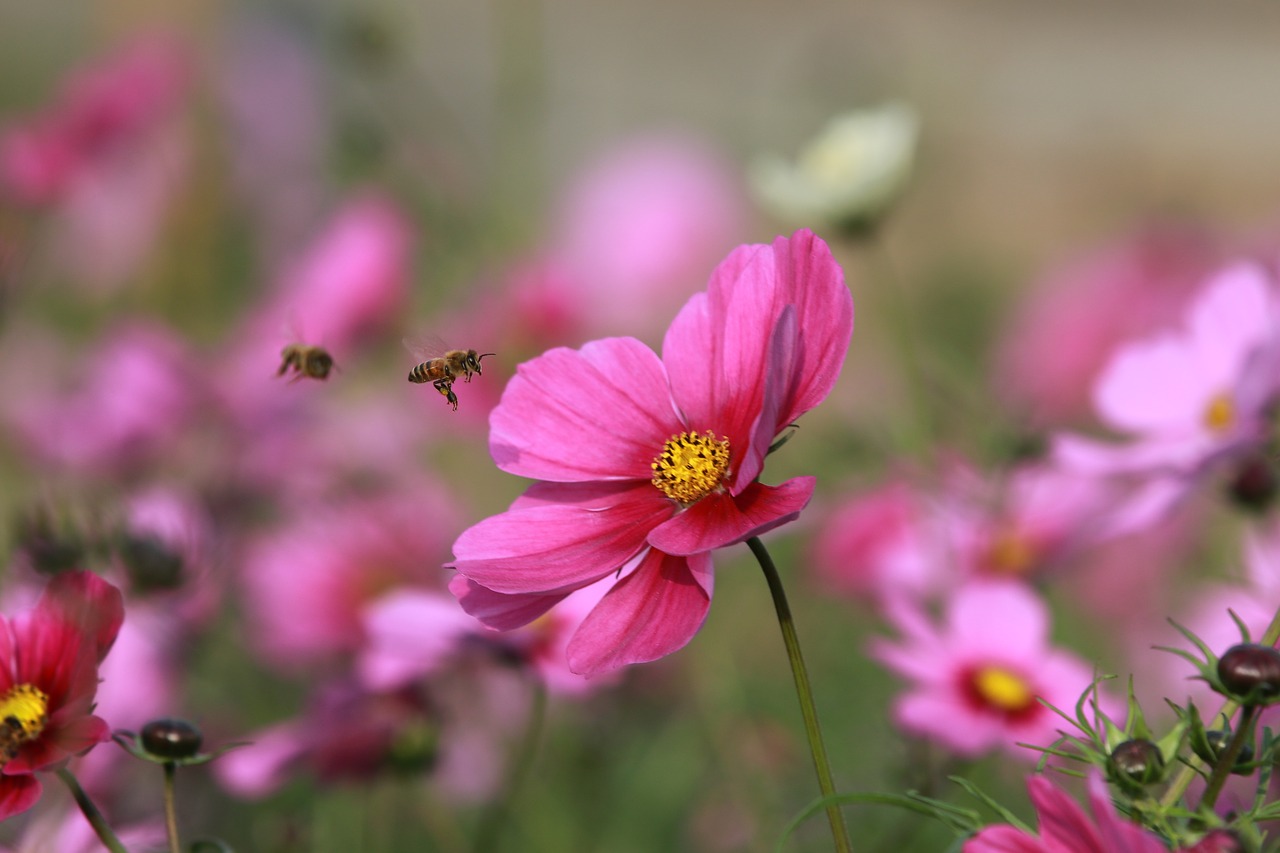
(305, 360)
(443, 370)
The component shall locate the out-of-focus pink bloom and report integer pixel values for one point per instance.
(1193, 400)
(638, 228)
(307, 585)
(976, 678)
(49, 659)
(1067, 329)
(129, 398)
(648, 464)
(166, 550)
(415, 633)
(1066, 828)
(346, 733)
(107, 154)
(882, 544)
(354, 276)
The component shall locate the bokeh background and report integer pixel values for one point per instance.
(464, 135)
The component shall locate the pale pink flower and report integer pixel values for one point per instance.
(1193, 400)
(1068, 327)
(306, 585)
(125, 401)
(647, 465)
(1066, 828)
(977, 677)
(639, 226)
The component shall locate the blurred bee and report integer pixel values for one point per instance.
(305, 360)
(443, 370)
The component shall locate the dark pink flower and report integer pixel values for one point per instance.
(49, 660)
(1066, 828)
(648, 464)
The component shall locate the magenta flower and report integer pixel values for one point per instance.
(648, 464)
(49, 660)
(1066, 828)
(977, 679)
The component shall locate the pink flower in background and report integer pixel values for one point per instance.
(649, 464)
(306, 586)
(640, 225)
(1064, 332)
(1066, 828)
(414, 633)
(130, 398)
(107, 156)
(976, 678)
(1193, 400)
(883, 544)
(49, 659)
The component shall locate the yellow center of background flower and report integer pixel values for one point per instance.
(691, 466)
(1002, 689)
(1010, 553)
(1220, 414)
(24, 710)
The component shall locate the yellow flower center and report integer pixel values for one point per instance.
(1220, 414)
(1003, 690)
(24, 710)
(1010, 553)
(691, 466)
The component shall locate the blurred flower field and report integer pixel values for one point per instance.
(945, 337)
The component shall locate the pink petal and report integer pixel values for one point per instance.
(650, 613)
(255, 770)
(88, 601)
(1232, 316)
(410, 634)
(17, 794)
(1116, 832)
(554, 548)
(779, 376)
(1003, 839)
(1063, 823)
(600, 412)
(1156, 387)
(718, 519)
(497, 610)
(998, 621)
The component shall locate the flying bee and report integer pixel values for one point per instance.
(305, 360)
(442, 371)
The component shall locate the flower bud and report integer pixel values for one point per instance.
(1251, 672)
(1254, 484)
(1218, 742)
(151, 564)
(171, 739)
(1137, 761)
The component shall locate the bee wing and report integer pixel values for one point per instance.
(424, 347)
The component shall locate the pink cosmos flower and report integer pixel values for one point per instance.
(1067, 329)
(1066, 828)
(49, 659)
(976, 679)
(648, 464)
(1193, 400)
(307, 585)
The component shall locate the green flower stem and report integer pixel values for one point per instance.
(1182, 781)
(499, 811)
(91, 813)
(170, 807)
(804, 692)
(1227, 757)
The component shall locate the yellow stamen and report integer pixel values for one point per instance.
(1010, 553)
(24, 711)
(691, 466)
(1220, 414)
(1002, 689)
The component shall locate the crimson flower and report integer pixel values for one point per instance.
(646, 464)
(49, 661)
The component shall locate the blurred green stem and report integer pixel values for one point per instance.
(498, 814)
(170, 807)
(91, 813)
(804, 692)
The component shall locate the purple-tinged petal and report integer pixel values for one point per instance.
(599, 412)
(650, 613)
(718, 519)
(782, 355)
(1234, 314)
(599, 495)
(553, 549)
(1157, 386)
(498, 610)
(410, 634)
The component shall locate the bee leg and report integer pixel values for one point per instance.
(445, 387)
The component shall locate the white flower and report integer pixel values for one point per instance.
(848, 175)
